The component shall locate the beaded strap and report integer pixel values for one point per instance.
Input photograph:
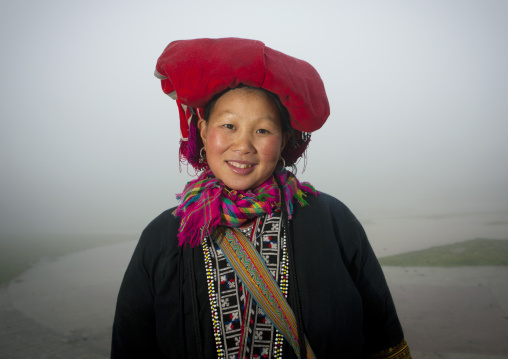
(250, 267)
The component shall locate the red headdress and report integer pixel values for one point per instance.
(193, 71)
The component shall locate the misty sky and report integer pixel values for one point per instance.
(88, 142)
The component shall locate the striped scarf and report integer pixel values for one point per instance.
(206, 203)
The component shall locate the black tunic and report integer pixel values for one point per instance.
(347, 308)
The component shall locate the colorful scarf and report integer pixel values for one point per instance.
(206, 203)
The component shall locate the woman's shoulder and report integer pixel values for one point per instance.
(329, 214)
(161, 232)
(324, 203)
(325, 198)
(164, 221)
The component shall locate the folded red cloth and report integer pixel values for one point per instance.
(193, 71)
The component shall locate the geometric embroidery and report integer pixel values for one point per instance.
(241, 328)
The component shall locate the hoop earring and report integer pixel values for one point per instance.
(283, 162)
(202, 156)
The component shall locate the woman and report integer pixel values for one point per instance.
(252, 263)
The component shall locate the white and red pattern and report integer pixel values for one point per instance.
(231, 303)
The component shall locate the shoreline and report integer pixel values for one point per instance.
(68, 306)
(20, 252)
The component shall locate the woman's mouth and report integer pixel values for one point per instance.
(239, 165)
(241, 168)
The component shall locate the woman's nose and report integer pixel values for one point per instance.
(243, 143)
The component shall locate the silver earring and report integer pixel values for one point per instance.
(202, 156)
(283, 162)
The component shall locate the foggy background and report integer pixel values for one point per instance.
(416, 143)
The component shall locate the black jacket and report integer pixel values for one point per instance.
(347, 308)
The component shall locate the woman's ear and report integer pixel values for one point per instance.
(202, 131)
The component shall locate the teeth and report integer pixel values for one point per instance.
(239, 165)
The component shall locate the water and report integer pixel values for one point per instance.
(394, 235)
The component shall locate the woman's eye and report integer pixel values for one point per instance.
(229, 126)
(262, 131)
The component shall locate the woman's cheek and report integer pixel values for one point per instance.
(271, 149)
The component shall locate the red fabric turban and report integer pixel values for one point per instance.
(193, 71)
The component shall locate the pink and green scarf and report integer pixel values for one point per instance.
(206, 203)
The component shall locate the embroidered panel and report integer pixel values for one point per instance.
(241, 328)
(400, 351)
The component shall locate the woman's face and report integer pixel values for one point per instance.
(243, 138)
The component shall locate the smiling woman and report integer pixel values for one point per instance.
(252, 263)
(243, 138)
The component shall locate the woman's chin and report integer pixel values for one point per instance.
(243, 184)
(238, 186)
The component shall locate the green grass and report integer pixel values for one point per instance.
(18, 253)
(476, 252)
